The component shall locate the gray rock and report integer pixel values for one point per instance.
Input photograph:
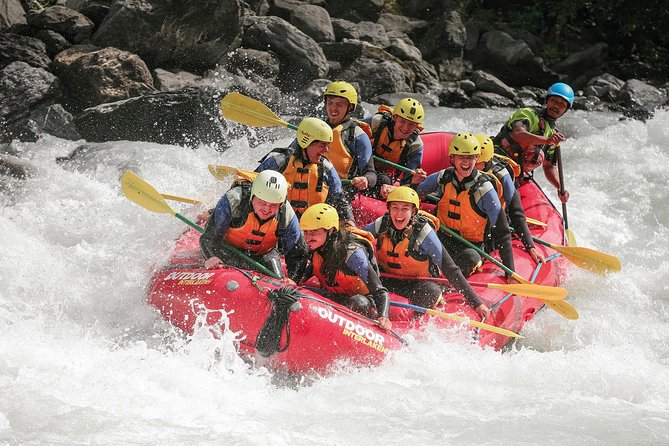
(510, 60)
(55, 43)
(467, 86)
(451, 69)
(445, 39)
(14, 47)
(189, 117)
(284, 8)
(604, 86)
(366, 31)
(71, 24)
(189, 34)
(12, 17)
(95, 75)
(425, 74)
(402, 47)
(399, 23)
(15, 167)
(487, 82)
(174, 80)
(378, 76)
(23, 90)
(584, 64)
(302, 60)
(391, 99)
(453, 97)
(484, 99)
(244, 61)
(314, 21)
(56, 121)
(636, 93)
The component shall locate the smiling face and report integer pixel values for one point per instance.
(464, 165)
(556, 106)
(264, 209)
(403, 128)
(315, 150)
(315, 238)
(337, 109)
(401, 213)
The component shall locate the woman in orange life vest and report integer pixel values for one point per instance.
(529, 136)
(344, 264)
(496, 165)
(312, 176)
(395, 137)
(350, 150)
(407, 245)
(255, 218)
(469, 205)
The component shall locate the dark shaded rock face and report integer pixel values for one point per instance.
(72, 25)
(190, 34)
(302, 60)
(25, 92)
(12, 16)
(94, 75)
(152, 118)
(15, 47)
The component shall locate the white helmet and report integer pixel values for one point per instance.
(270, 186)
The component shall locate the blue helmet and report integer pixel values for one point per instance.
(563, 90)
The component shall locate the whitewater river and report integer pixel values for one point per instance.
(84, 360)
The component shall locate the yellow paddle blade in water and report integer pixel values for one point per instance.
(477, 324)
(142, 193)
(223, 172)
(571, 238)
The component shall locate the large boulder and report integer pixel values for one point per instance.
(302, 60)
(636, 93)
(15, 47)
(357, 11)
(188, 117)
(584, 65)
(314, 21)
(408, 25)
(366, 31)
(12, 16)
(510, 60)
(489, 83)
(605, 86)
(445, 39)
(24, 92)
(95, 75)
(189, 34)
(71, 24)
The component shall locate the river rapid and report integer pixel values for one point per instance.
(84, 359)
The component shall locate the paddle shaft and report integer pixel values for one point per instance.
(561, 177)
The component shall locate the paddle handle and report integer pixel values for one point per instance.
(395, 165)
(190, 222)
(291, 126)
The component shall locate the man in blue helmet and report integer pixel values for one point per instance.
(530, 138)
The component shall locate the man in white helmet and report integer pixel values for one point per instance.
(256, 219)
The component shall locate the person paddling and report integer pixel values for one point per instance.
(255, 218)
(395, 137)
(530, 137)
(407, 245)
(504, 174)
(312, 176)
(344, 264)
(469, 205)
(351, 149)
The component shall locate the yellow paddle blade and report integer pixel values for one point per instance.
(532, 290)
(563, 308)
(536, 222)
(223, 172)
(142, 193)
(181, 199)
(245, 110)
(480, 325)
(571, 238)
(589, 259)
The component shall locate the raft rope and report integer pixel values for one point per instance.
(284, 300)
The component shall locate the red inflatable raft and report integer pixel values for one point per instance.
(301, 332)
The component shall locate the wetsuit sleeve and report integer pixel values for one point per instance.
(413, 161)
(360, 265)
(294, 247)
(508, 188)
(490, 204)
(335, 196)
(429, 186)
(519, 220)
(362, 148)
(371, 228)
(438, 254)
(216, 228)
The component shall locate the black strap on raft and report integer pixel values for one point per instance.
(283, 301)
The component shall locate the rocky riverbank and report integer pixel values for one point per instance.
(155, 70)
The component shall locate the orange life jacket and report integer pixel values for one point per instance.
(347, 284)
(405, 258)
(457, 209)
(307, 182)
(384, 146)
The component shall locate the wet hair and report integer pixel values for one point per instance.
(334, 253)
